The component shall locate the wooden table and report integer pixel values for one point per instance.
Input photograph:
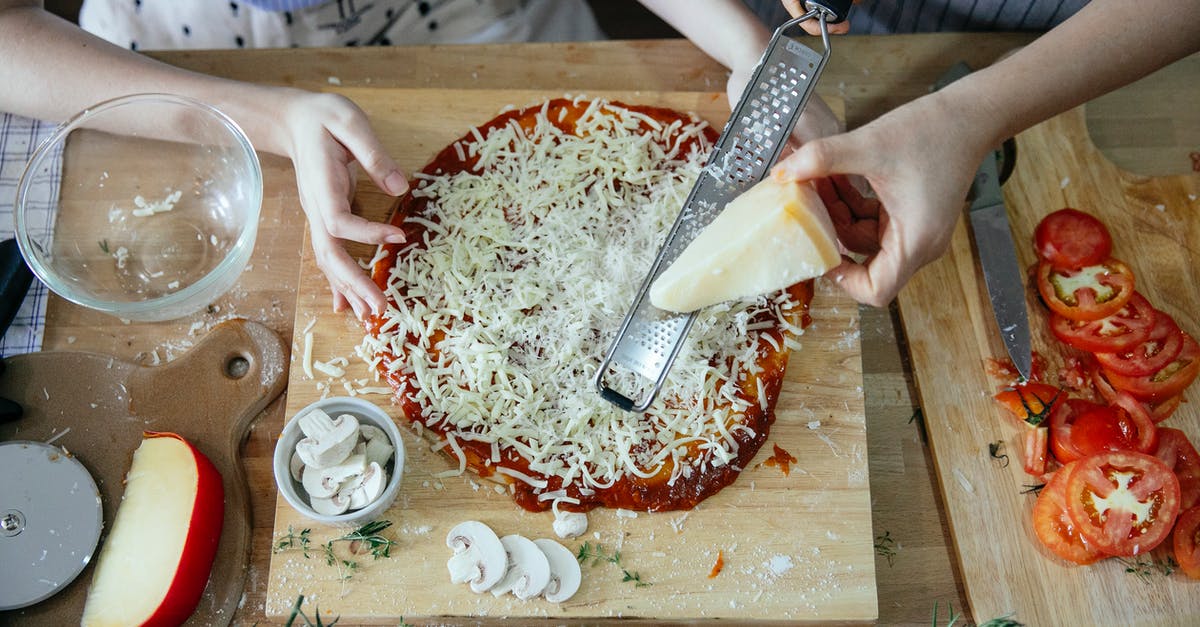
(1146, 128)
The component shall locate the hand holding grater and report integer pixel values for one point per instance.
(758, 128)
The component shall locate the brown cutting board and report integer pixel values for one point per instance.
(948, 321)
(795, 547)
(96, 407)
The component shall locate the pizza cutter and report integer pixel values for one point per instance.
(649, 339)
(50, 521)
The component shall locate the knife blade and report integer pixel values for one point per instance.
(1001, 271)
(997, 252)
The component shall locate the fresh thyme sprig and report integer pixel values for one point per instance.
(1144, 568)
(298, 614)
(369, 536)
(365, 539)
(1032, 488)
(995, 450)
(104, 245)
(885, 546)
(294, 540)
(596, 554)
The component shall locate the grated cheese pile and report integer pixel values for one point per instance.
(529, 301)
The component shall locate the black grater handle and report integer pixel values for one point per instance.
(835, 10)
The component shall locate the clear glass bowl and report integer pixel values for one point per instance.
(144, 207)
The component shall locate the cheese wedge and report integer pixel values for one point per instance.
(773, 235)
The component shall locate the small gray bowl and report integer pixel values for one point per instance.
(366, 413)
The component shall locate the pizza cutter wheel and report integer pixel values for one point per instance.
(50, 521)
(649, 339)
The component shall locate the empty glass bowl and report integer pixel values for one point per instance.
(145, 207)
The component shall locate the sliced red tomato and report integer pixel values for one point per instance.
(1122, 503)
(1172, 379)
(1036, 450)
(1053, 525)
(1030, 401)
(1186, 542)
(1161, 345)
(1122, 331)
(1090, 293)
(1177, 452)
(1136, 423)
(1079, 428)
(1162, 410)
(1072, 239)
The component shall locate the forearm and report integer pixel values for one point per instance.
(60, 69)
(724, 29)
(1108, 44)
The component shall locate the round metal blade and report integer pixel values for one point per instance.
(50, 521)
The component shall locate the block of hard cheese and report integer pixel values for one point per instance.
(773, 235)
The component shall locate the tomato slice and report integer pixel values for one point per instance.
(1123, 503)
(1136, 423)
(1035, 451)
(1172, 379)
(1162, 410)
(1072, 239)
(1119, 332)
(1079, 428)
(1053, 525)
(1162, 344)
(1177, 452)
(1090, 293)
(1186, 542)
(1030, 401)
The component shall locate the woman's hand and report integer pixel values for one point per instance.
(920, 160)
(326, 135)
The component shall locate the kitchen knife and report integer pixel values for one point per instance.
(997, 253)
(1001, 271)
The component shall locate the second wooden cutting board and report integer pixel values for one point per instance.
(795, 547)
(948, 321)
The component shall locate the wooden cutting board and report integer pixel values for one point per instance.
(97, 407)
(1155, 224)
(795, 547)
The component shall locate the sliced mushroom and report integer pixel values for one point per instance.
(564, 571)
(296, 466)
(332, 506)
(327, 442)
(365, 488)
(325, 482)
(569, 524)
(528, 569)
(479, 557)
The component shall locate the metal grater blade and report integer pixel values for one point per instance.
(649, 339)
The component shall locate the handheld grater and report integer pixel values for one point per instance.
(649, 339)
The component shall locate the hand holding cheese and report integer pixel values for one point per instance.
(775, 234)
(155, 563)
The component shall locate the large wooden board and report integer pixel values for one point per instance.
(950, 329)
(795, 547)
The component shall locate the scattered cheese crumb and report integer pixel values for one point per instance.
(1066, 181)
(155, 207)
(333, 80)
(814, 424)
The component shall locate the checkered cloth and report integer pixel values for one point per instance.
(19, 138)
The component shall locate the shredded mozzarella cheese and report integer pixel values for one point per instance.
(527, 266)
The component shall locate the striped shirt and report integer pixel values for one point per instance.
(881, 17)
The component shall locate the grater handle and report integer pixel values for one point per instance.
(649, 346)
(835, 10)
